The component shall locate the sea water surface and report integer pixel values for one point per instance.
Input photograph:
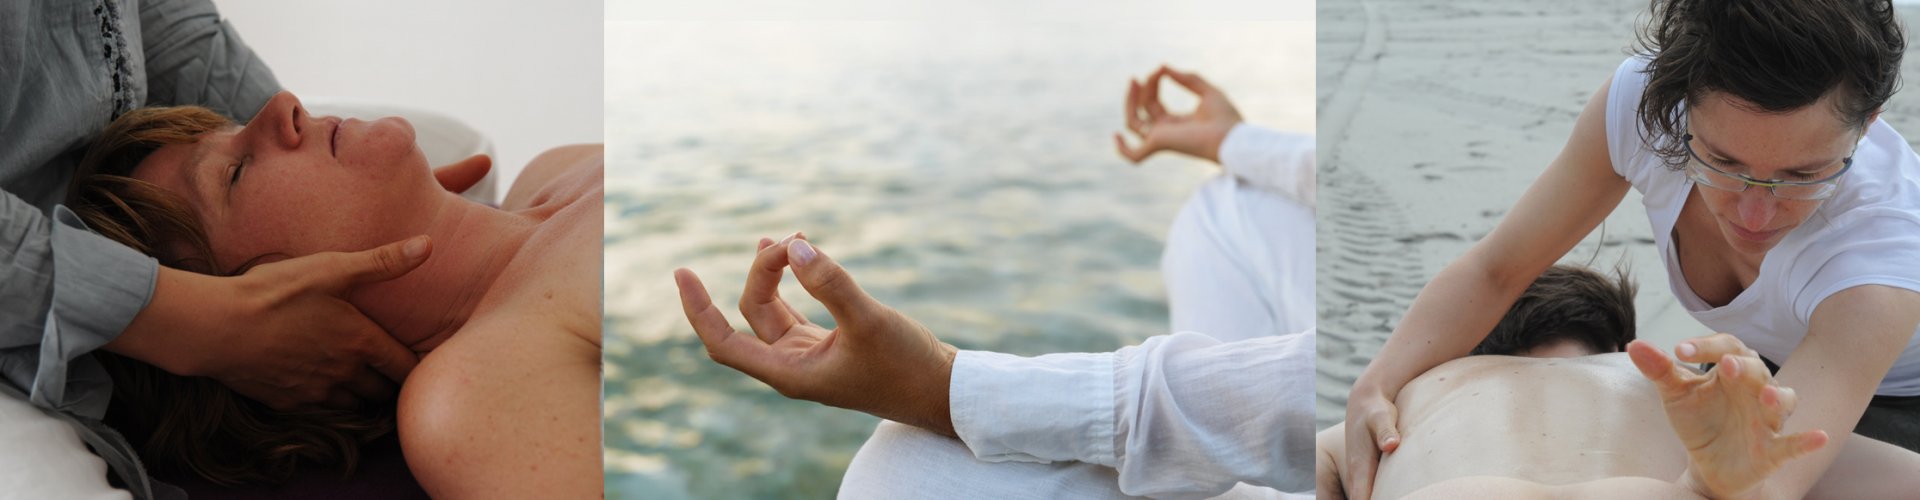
(963, 172)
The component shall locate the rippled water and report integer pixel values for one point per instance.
(962, 171)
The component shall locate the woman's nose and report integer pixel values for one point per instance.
(1757, 208)
(282, 119)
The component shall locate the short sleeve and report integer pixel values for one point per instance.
(1626, 146)
(1875, 250)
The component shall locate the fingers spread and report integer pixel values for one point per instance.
(1710, 348)
(1786, 448)
(1774, 407)
(1785, 400)
(1744, 375)
(1657, 367)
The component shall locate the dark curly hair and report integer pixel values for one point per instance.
(1566, 303)
(1777, 55)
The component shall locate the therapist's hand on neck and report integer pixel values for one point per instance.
(1197, 134)
(876, 361)
(282, 333)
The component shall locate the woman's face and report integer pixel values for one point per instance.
(1802, 145)
(290, 184)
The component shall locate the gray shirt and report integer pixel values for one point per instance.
(67, 68)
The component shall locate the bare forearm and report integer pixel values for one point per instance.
(160, 334)
(1452, 314)
(1854, 337)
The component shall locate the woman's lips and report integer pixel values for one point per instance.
(333, 138)
(1743, 233)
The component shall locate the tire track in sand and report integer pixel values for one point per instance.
(1365, 275)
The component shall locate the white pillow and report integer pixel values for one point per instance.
(443, 138)
(41, 456)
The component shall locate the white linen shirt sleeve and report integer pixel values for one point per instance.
(1179, 416)
(1271, 160)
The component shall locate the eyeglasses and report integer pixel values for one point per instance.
(1705, 174)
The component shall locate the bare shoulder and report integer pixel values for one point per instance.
(555, 174)
(505, 410)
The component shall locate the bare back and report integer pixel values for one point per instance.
(1551, 421)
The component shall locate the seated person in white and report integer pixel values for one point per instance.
(1548, 407)
(1190, 414)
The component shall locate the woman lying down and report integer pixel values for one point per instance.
(505, 311)
(1560, 401)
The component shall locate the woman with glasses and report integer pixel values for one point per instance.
(1785, 212)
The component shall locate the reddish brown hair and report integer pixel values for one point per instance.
(192, 424)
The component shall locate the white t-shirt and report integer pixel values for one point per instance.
(1867, 234)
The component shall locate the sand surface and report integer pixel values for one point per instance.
(1434, 118)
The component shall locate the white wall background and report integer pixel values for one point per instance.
(526, 74)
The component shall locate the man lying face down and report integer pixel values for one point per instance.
(1552, 405)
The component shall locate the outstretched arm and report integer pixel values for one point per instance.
(1178, 415)
(1464, 301)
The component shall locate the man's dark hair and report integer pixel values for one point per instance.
(1566, 303)
(1777, 55)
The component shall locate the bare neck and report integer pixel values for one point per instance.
(472, 244)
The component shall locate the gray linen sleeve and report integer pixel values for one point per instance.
(195, 57)
(68, 292)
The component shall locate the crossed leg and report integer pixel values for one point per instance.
(1239, 263)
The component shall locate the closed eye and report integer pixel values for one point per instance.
(238, 167)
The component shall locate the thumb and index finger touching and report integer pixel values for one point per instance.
(819, 274)
(827, 282)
